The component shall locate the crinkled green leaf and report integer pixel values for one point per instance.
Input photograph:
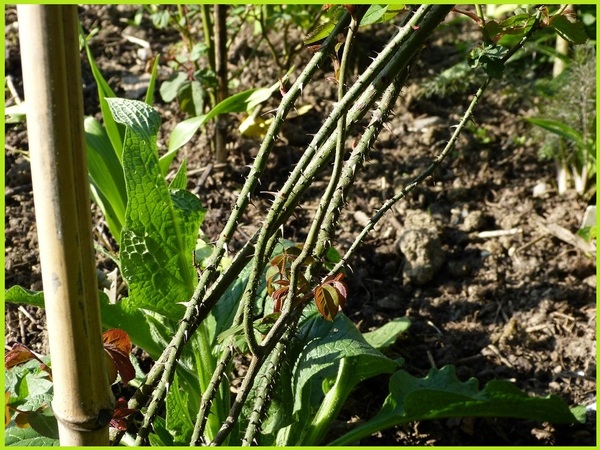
(441, 395)
(179, 181)
(161, 227)
(26, 437)
(326, 344)
(161, 436)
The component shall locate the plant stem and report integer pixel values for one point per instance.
(427, 172)
(262, 396)
(206, 295)
(313, 233)
(255, 365)
(331, 405)
(220, 35)
(357, 158)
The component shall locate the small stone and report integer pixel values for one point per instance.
(474, 221)
(423, 253)
(540, 189)
(590, 281)
(421, 247)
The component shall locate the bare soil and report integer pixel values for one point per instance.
(520, 306)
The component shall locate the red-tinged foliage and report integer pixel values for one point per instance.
(19, 354)
(330, 296)
(117, 345)
(118, 339)
(120, 414)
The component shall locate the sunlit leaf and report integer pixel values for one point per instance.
(573, 32)
(118, 346)
(118, 339)
(327, 301)
(18, 354)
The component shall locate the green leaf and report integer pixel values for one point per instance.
(326, 343)
(184, 131)
(161, 436)
(149, 99)
(318, 351)
(178, 420)
(18, 294)
(558, 128)
(319, 33)
(373, 14)
(160, 231)
(115, 132)
(171, 86)
(573, 32)
(386, 335)
(26, 437)
(44, 423)
(197, 97)
(588, 234)
(490, 59)
(441, 395)
(106, 176)
(179, 181)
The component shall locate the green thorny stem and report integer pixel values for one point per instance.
(261, 402)
(287, 317)
(376, 124)
(204, 298)
(437, 161)
(274, 333)
(253, 369)
(370, 84)
(217, 376)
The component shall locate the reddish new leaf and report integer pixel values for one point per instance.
(327, 301)
(121, 412)
(18, 354)
(330, 296)
(118, 339)
(118, 346)
(279, 297)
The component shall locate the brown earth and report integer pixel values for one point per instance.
(519, 306)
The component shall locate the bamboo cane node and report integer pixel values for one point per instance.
(98, 422)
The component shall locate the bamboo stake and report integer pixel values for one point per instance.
(83, 402)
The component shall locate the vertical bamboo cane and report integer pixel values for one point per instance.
(83, 401)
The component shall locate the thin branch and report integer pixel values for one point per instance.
(427, 172)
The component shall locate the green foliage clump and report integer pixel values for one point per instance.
(567, 122)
